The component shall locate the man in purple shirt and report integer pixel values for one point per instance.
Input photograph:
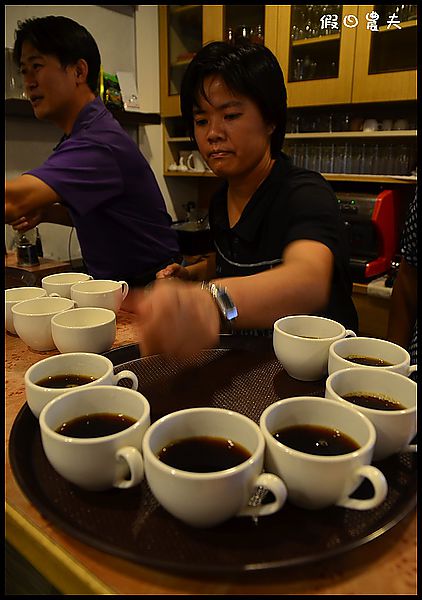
(96, 179)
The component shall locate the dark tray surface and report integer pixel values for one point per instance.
(131, 523)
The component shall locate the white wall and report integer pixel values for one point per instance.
(125, 43)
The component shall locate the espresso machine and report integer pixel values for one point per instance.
(373, 223)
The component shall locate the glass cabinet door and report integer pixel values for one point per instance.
(315, 50)
(386, 53)
(184, 41)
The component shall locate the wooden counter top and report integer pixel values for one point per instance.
(386, 565)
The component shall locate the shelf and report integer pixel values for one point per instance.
(317, 40)
(364, 178)
(367, 178)
(352, 134)
(15, 107)
(329, 135)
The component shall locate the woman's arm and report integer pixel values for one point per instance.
(180, 318)
(300, 285)
(403, 308)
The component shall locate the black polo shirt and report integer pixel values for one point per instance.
(291, 204)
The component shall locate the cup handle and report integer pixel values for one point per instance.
(54, 295)
(275, 485)
(379, 484)
(127, 375)
(189, 163)
(134, 460)
(412, 369)
(410, 448)
(90, 277)
(350, 333)
(125, 289)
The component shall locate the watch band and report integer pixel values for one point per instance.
(227, 309)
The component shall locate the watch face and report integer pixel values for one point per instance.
(227, 307)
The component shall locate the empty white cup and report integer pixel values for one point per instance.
(60, 283)
(84, 330)
(101, 293)
(14, 295)
(301, 344)
(32, 320)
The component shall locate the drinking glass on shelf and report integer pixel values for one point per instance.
(363, 160)
(356, 158)
(339, 158)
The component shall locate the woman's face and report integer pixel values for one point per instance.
(230, 131)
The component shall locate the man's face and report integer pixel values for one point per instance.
(49, 86)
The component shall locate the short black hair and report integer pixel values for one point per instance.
(249, 69)
(61, 37)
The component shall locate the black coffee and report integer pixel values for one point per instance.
(203, 454)
(95, 425)
(373, 401)
(316, 439)
(368, 361)
(67, 380)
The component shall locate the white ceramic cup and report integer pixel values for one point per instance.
(314, 481)
(76, 363)
(32, 320)
(207, 499)
(370, 347)
(101, 293)
(96, 463)
(84, 330)
(195, 162)
(401, 124)
(306, 358)
(387, 124)
(14, 295)
(394, 428)
(371, 125)
(60, 283)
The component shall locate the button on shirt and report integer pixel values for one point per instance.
(291, 204)
(102, 178)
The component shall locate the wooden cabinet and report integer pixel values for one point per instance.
(352, 63)
(317, 63)
(185, 28)
(385, 60)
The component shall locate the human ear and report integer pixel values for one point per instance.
(81, 70)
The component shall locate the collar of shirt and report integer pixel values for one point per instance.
(255, 210)
(89, 112)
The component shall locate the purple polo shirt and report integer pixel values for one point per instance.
(119, 213)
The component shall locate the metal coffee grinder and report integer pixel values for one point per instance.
(26, 248)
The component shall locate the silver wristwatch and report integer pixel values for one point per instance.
(225, 304)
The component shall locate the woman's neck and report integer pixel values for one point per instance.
(242, 188)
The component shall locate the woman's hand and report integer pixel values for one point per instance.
(177, 318)
(173, 270)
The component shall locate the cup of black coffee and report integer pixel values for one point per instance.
(369, 352)
(92, 436)
(386, 398)
(322, 449)
(204, 464)
(52, 376)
